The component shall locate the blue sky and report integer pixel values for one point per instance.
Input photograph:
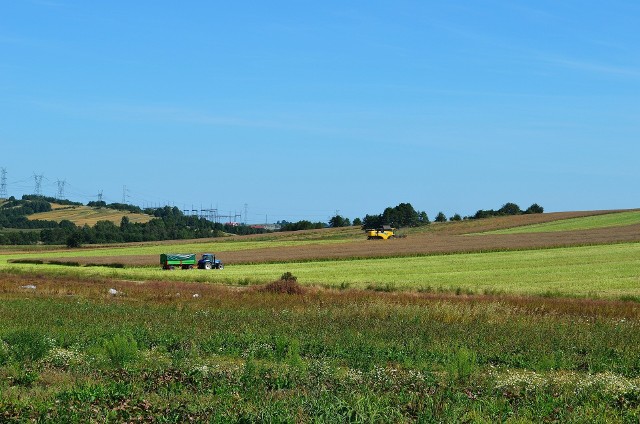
(300, 109)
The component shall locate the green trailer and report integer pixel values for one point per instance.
(172, 260)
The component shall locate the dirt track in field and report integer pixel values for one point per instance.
(440, 239)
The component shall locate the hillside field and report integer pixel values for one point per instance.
(453, 323)
(81, 215)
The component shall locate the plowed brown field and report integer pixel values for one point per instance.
(439, 239)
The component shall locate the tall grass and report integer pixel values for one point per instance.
(321, 356)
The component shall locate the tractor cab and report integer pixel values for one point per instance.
(209, 261)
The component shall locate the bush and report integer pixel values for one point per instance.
(121, 350)
(26, 345)
(287, 284)
(287, 276)
(463, 364)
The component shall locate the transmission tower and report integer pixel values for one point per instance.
(100, 196)
(246, 208)
(125, 194)
(38, 187)
(3, 183)
(61, 188)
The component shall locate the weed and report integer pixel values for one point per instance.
(387, 287)
(5, 353)
(27, 345)
(25, 377)
(630, 298)
(463, 364)
(120, 350)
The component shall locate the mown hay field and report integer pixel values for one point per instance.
(609, 271)
(81, 215)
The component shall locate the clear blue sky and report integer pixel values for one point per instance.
(301, 108)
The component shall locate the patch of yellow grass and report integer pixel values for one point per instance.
(81, 215)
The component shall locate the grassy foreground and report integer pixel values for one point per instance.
(69, 352)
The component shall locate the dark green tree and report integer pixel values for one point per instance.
(441, 217)
(339, 221)
(456, 217)
(535, 208)
(509, 209)
(75, 239)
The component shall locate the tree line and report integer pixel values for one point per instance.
(404, 215)
(168, 223)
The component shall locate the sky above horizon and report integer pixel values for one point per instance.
(300, 109)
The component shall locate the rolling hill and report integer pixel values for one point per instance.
(81, 215)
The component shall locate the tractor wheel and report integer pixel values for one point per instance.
(207, 265)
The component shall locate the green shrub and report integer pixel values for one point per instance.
(121, 350)
(27, 345)
(463, 364)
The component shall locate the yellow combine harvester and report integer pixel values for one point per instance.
(383, 233)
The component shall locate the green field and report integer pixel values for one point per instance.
(618, 219)
(222, 245)
(596, 271)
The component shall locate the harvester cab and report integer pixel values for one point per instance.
(209, 261)
(383, 233)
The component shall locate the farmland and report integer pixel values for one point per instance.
(84, 215)
(584, 223)
(452, 323)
